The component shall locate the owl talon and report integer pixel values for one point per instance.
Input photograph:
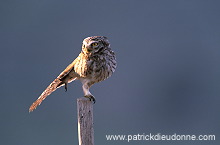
(91, 98)
(65, 87)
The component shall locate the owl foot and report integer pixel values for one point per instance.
(91, 98)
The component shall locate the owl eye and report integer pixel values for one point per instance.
(94, 44)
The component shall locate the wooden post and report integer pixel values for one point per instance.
(85, 121)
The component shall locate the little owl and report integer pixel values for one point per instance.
(95, 63)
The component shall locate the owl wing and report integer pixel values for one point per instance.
(68, 75)
(67, 70)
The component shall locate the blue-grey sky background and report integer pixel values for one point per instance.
(167, 80)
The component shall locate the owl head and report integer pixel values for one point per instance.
(95, 44)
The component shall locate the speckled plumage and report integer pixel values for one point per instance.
(95, 63)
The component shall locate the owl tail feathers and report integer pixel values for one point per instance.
(51, 88)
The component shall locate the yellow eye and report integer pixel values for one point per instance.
(94, 44)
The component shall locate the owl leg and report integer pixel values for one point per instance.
(87, 93)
